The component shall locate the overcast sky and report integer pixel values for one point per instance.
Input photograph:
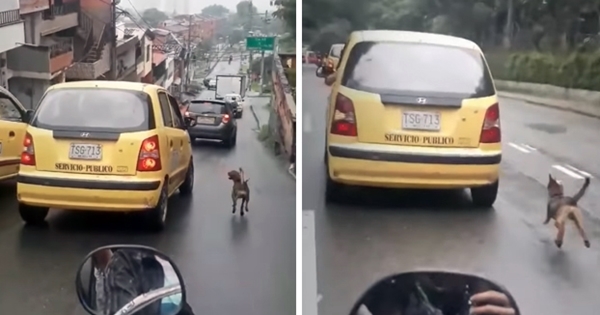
(194, 5)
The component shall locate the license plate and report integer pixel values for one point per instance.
(83, 151)
(421, 121)
(205, 120)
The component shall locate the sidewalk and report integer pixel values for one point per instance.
(587, 109)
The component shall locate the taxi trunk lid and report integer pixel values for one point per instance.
(100, 153)
(419, 121)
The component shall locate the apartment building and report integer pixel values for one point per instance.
(12, 32)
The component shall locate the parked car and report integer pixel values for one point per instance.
(238, 103)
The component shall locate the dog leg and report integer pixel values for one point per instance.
(242, 207)
(578, 219)
(247, 200)
(560, 225)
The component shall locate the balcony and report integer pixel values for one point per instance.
(91, 69)
(12, 29)
(59, 17)
(41, 62)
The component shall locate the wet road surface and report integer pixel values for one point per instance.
(231, 265)
(379, 232)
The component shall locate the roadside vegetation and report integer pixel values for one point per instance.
(540, 41)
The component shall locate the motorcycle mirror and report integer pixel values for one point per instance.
(123, 279)
(429, 292)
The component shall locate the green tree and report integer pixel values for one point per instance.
(286, 11)
(154, 17)
(215, 10)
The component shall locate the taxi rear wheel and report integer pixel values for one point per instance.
(188, 185)
(333, 190)
(157, 216)
(484, 196)
(33, 215)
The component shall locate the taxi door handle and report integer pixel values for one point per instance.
(171, 143)
(181, 142)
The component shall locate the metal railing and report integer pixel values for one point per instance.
(61, 47)
(9, 17)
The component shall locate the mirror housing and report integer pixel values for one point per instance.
(144, 267)
(28, 116)
(430, 292)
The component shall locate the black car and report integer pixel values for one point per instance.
(214, 120)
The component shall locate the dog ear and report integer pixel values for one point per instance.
(550, 178)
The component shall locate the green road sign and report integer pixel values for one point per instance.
(260, 43)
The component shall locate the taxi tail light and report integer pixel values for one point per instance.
(149, 157)
(28, 154)
(344, 118)
(226, 118)
(490, 131)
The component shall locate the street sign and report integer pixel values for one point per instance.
(260, 43)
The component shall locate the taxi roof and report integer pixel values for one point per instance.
(413, 37)
(122, 85)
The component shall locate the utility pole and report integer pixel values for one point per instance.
(189, 55)
(114, 73)
(247, 33)
(262, 64)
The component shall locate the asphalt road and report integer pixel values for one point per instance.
(378, 232)
(231, 265)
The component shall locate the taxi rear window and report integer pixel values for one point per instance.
(109, 110)
(208, 108)
(417, 69)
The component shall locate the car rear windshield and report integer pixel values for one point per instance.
(108, 110)
(336, 51)
(417, 69)
(207, 108)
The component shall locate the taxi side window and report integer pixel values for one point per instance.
(165, 108)
(9, 110)
(177, 117)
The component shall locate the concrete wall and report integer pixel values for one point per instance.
(28, 91)
(7, 5)
(11, 35)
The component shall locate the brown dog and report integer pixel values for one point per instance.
(240, 190)
(562, 208)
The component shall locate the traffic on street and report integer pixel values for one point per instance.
(230, 264)
(369, 233)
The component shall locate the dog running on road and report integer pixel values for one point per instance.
(240, 190)
(562, 208)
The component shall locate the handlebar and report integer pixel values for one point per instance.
(148, 298)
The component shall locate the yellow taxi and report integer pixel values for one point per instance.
(413, 110)
(104, 146)
(330, 64)
(13, 122)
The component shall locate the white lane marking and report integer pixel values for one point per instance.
(574, 169)
(529, 147)
(567, 171)
(518, 147)
(307, 124)
(310, 297)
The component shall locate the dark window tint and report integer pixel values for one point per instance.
(165, 108)
(417, 70)
(336, 51)
(176, 108)
(94, 110)
(208, 108)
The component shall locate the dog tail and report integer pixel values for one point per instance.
(582, 190)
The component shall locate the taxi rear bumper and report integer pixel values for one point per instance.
(86, 194)
(405, 167)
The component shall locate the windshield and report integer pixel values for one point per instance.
(417, 69)
(336, 50)
(94, 109)
(207, 108)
